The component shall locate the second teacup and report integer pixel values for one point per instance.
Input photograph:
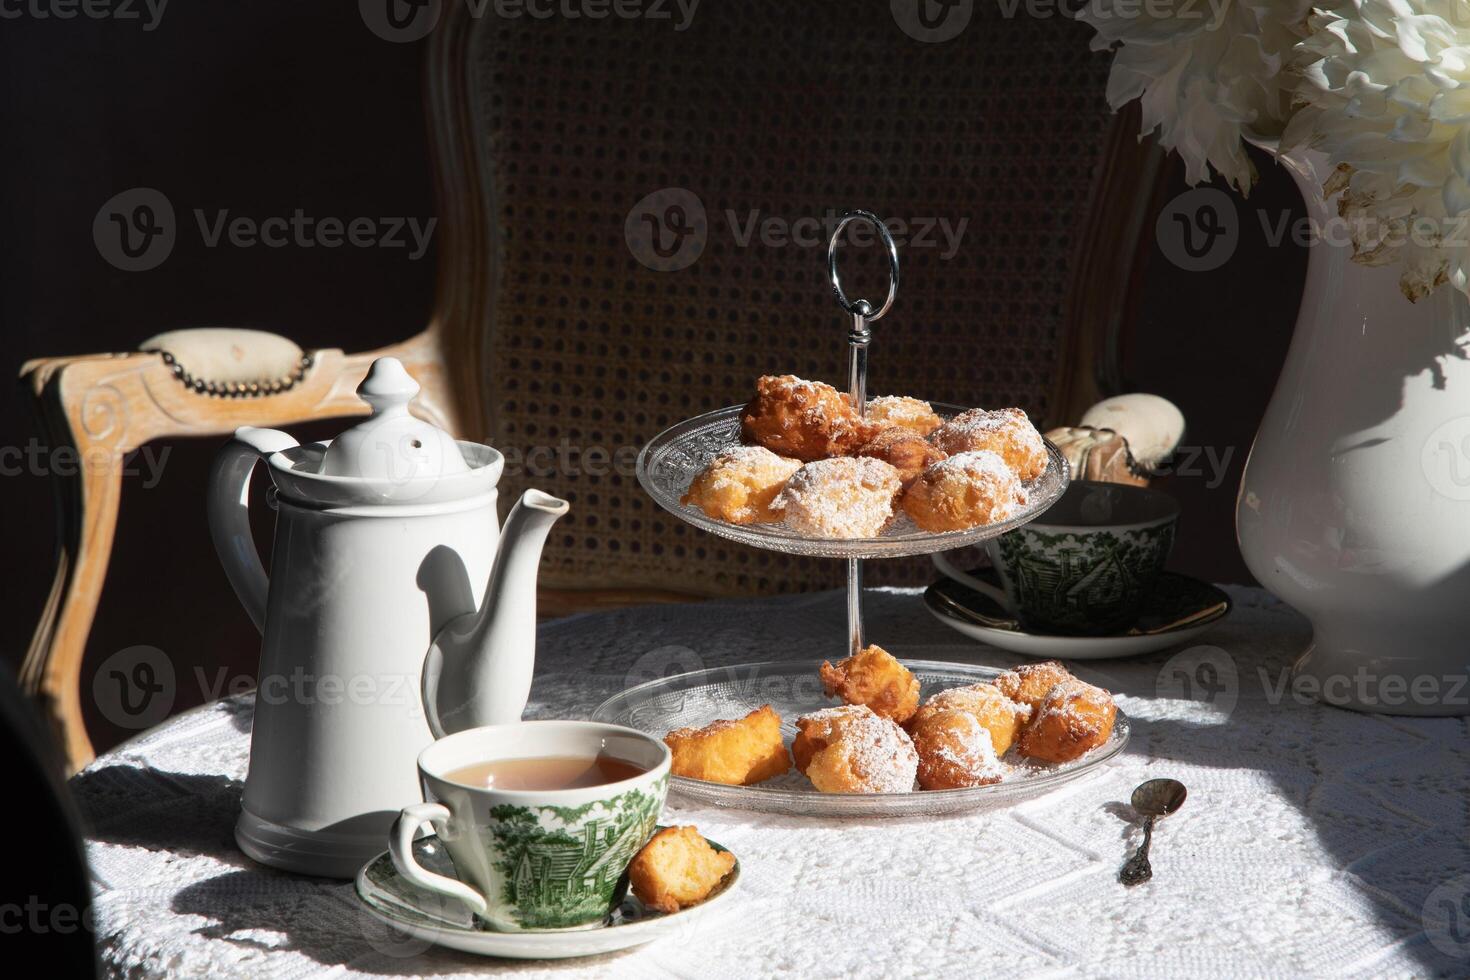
(1086, 565)
(541, 818)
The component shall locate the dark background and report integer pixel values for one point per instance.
(266, 107)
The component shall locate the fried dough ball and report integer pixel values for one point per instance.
(739, 484)
(849, 749)
(1072, 719)
(816, 731)
(964, 491)
(903, 449)
(995, 712)
(1028, 683)
(956, 751)
(737, 752)
(677, 868)
(912, 414)
(806, 420)
(874, 678)
(1006, 431)
(845, 497)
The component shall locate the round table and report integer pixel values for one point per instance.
(1314, 841)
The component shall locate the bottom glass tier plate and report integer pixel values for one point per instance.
(793, 688)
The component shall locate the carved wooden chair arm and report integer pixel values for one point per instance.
(102, 407)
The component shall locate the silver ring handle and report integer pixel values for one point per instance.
(862, 307)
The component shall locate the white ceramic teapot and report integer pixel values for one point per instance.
(387, 549)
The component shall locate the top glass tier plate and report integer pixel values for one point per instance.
(668, 464)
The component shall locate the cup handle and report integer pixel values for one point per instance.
(400, 846)
(948, 570)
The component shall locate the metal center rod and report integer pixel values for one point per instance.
(857, 386)
(857, 357)
(858, 338)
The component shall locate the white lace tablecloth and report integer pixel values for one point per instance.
(1314, 842)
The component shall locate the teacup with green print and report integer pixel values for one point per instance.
(536, 859)
(1085, 566)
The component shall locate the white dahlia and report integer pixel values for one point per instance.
(1385, 87)
(1206, 72)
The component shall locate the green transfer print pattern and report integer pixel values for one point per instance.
(560, 866)
(1095, 581)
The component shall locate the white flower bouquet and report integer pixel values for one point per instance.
(1381, 87)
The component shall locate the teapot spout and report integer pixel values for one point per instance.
(479, 667)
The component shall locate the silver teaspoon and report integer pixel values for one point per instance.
(1152, 799)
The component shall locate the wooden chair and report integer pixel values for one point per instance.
(103, 407)
(549, 334)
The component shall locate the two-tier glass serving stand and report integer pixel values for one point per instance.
(668, 464)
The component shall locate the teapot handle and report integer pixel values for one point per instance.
(229, 513)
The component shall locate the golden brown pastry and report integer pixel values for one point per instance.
(964, 491)
(956, 752)
(874, 678)
(1007, 432)
(815, 731)
(996, 713)
(677, 868)
(739, 484)
(1028, 683)
(912, 414)
(805, 420)
(737, 752)
(849, 749)
(846, 497)
(1072, 719)
(904, 450)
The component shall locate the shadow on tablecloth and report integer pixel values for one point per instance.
(255, 909)
(184, 813)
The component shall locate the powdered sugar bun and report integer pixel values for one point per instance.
(1073, 719)
(912, 414)
(903, 449)
(849, 749)
(997, 713)
(843, 497)
(964, 491)
(739, 485)
(805, 420)
(956, 751)
(1006, 431)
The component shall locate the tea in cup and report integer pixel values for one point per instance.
(541, 819)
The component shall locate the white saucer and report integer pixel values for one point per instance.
(1180, 609)
(425, 915)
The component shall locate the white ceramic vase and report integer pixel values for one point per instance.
(1355, 503)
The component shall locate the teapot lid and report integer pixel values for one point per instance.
(392, 445)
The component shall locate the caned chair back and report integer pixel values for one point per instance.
(637, 213)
